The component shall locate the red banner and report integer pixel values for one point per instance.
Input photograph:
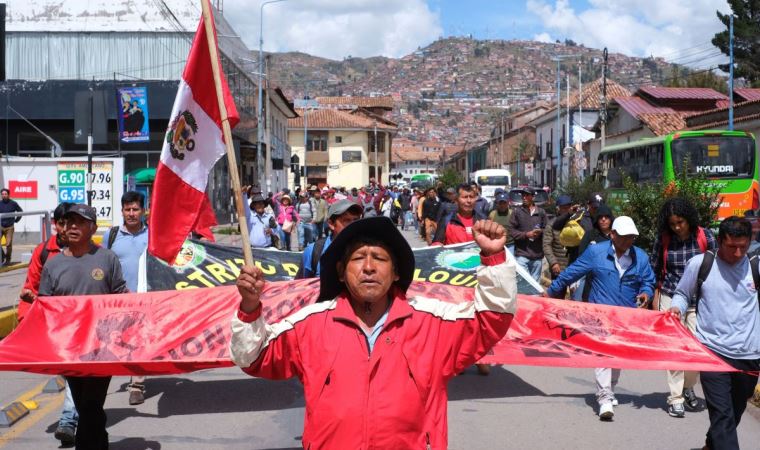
(169, 332)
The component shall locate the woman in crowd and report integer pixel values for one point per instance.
(287, 219)
(679, 238)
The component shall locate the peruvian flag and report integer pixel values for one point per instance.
(194, 143)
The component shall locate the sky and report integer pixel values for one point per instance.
(678, 30)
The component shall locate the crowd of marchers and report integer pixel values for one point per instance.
(583, 253)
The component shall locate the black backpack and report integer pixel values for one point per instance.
(706, 266)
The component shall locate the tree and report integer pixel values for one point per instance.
(746, 44)
(450, 177)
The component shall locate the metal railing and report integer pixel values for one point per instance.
(45, 223)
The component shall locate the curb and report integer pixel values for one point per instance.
(8, 320)
(14, 267)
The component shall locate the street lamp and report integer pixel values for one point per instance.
(260, 166)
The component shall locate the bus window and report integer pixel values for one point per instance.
(715, 156)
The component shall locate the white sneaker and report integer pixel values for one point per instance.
(615, 401)
(606, 412)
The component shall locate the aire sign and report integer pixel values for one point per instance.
(23, 189)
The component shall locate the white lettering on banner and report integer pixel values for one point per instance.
(715, 169)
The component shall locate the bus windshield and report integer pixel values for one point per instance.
(501, 180)
(715, 156)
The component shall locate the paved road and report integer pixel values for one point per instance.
(515, 407)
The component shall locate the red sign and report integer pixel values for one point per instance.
(23, 189)
(170, 332)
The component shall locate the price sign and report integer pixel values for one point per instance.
(72, 187)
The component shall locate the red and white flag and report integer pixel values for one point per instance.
(194, 143)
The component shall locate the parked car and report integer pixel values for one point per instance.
(515, 197)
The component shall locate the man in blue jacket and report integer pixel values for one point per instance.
(622, 276)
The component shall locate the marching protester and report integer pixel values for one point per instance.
(83, 268)
(262, 226)
(448, 204)
(388, 388)
(414, 204)
(679, 239)
(129, 242)
(623, 277)
(727, 309)
(7, 224)
(405, 203)
(305, 211)
(526, 226)
(501, 214)
(456, 227)
(481, 204)
(580, 221)
(287, 219)
(339, 215)
(43, 252)
(430, 207)
(320, 206)
(602, 227)
(555, 252)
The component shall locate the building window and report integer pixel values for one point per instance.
(338, 139)
(316, 141)
(352, 156)
(380, 141)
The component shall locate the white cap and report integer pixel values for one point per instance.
(624, 226)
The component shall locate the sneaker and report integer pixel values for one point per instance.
(136, 397)
(690, 400)
(676, 410)
(65, 434)
(615, 401)
(606, 412)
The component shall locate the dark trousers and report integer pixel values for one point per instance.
(726, 394)
(320, 230)
(89, 395)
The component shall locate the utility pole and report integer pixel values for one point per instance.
(603, 114)
(305, 139)
(377, 174)
(501, 147)
(557, 149)
(731, 72)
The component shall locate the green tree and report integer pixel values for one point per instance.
(580, 190)
(746, 44)
(643, 202)
(450, 177)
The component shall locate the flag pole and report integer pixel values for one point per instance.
(227, 131)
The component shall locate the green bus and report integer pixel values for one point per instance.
(729, 158)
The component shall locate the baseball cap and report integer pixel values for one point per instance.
(80, 209)
(528, 190)
(451, 190)
(595, 199)
(342, 206)
(624, 226)
(564, 200)
(258, 198)
(501, 197)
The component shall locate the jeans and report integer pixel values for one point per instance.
(89, 395)
(578, 293)
(284, 238)
(306, 234)
(319, 230)
(69, 416)
(606, 380)
(532, 266)
(726, 395)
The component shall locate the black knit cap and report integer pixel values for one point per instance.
(378, 228)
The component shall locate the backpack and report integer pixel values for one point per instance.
(113, 233)
(316, 253)
(704, 271)
(572, 233)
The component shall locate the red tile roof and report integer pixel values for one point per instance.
(385, 102)
(748, 94)
(663, 123)
(592, 94)
(672, 93)
(326, 119)
(637, 105)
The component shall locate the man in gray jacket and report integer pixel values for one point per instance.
(728, 323)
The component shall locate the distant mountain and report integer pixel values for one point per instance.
(455, 89)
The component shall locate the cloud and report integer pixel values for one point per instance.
(337, 28)
(543, 37)
(678, 30)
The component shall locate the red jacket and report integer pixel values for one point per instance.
(396, 396)
(34, 272)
